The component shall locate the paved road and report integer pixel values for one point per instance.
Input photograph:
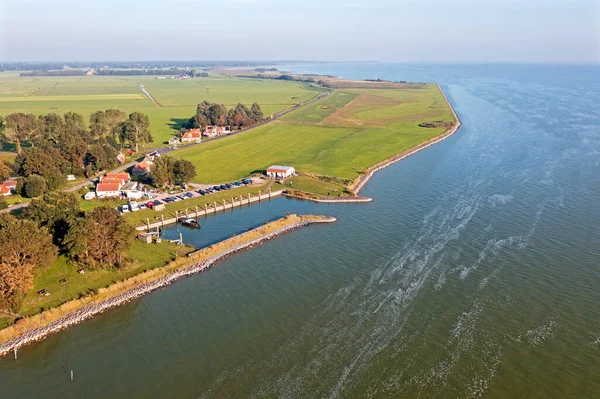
(164, 150)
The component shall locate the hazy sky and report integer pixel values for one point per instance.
(337, 30)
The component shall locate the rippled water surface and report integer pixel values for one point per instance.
(475, 272)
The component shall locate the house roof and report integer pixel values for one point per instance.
(105, 187)
(4, 190)
(10, 183)
(112, 180)
(119, 175)
(194, 133)
(142, 165)
(279, 168)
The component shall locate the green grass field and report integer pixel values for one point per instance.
(143, 257)
(377, 125)
(86, 94)
(320, 110)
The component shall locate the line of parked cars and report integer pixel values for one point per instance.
(223, 187)
(134, 206)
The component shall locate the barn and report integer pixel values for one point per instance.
(279, 171)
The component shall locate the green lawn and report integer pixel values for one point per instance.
(10, 157)
(378, 125)
(143, 257)
(86, 94)
(320, 110)
(312, 185)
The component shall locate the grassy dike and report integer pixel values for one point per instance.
(35, 328)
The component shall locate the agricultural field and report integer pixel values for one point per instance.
(319, 111)
(177, 99)
(377, 125)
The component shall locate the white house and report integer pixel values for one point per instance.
(213, 131)
(280, 171)
(108, 190)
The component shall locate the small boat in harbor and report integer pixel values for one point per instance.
(189, 222)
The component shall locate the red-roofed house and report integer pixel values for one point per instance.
(112, 180)
(280, 171)
(212, 131)
(8, 187)
(119, 175)
(191, 136)
(108, 190)
(141, 168)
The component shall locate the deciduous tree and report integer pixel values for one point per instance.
(23, 127)
(56, 211)
(183, 171)
(35, 185)
(25, 248)
(100, 239)
(136, 130)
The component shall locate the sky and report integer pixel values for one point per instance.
(527, 31)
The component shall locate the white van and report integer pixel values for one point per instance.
(134, 206)
(125, 209)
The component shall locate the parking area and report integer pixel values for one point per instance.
(166, 198)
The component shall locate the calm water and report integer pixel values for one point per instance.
(475, 272)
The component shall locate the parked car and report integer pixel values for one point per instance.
(223, 187)
(125, 209)
(150, 204)
(189, 195)
(238, 183)
(202, 192)
(143, 206)
(247, 181)
(229, 186)
(216, 188)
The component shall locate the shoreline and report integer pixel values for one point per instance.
(91, 306)
(33, 334)
(359, 182)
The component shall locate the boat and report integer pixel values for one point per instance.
(189, 222)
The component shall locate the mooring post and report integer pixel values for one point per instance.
(231, 202)
(71, 375)
(15, 350)
(241, 200)
(258, 195)
(147, 224)
(215, 206)
(248, 198)
(186, 214)
(180, 239)
(269, 192)
(196, 210)
(163, 220)
(205, 209)
(176, 216)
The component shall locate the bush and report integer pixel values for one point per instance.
(35, 186)
(3, 203)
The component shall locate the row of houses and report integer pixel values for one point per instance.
(195, 135)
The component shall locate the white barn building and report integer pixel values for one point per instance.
(279, 171)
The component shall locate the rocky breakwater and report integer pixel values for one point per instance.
(195, 263)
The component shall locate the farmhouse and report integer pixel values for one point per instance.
(141, 168)
(212, 131)
(280, 171)
(5, 190)
(173, 141)
(108, 190)
(118, 175)
(191, 136)
(152, 156)
(11, 184)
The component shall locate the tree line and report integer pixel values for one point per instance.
(60, 145)
(55, 224)
(214, 114)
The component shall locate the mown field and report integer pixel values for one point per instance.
(377, 125)
(178, 98)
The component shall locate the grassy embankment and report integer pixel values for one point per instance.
(178, 98)
(376, 125)
(53, 314)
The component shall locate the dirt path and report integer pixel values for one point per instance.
(146, 92)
